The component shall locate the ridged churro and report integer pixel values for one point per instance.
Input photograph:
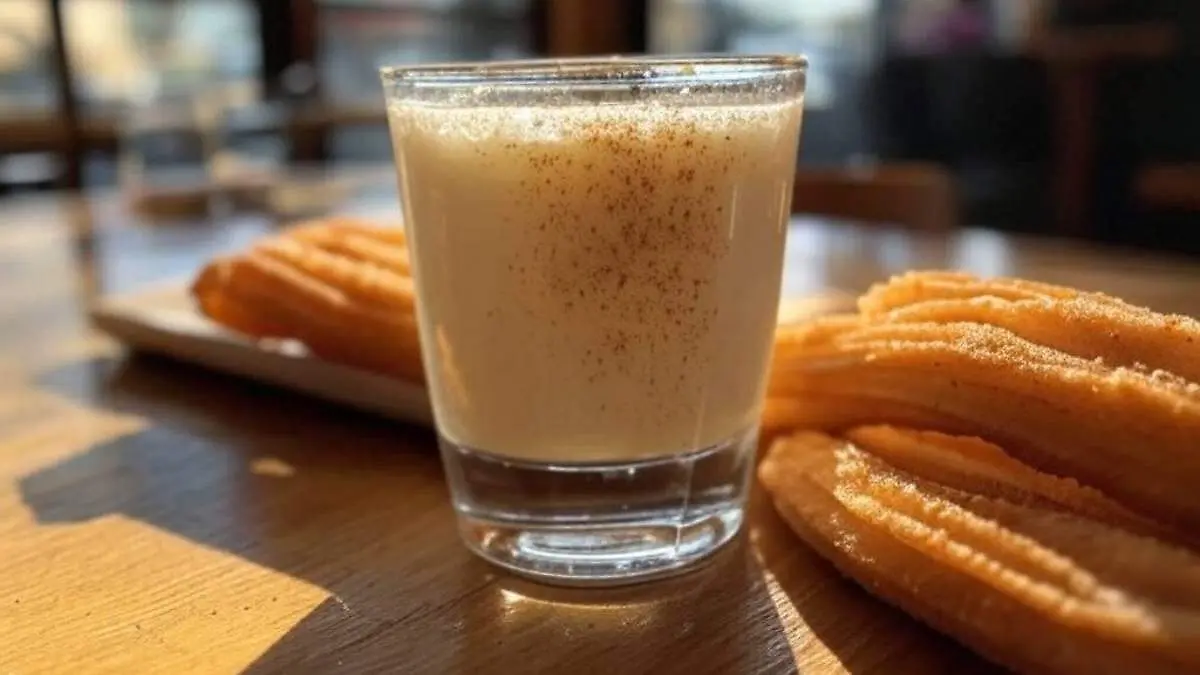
(338, 287)
(973, 465)
(1108, 420)
(1087, 325)
(1030, 587)
(358, 240)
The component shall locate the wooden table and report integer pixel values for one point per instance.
(158, 518)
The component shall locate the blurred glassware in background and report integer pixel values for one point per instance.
(252, 147)
(164, 155)
(168, 132)
(120, 49)
(159, 69)
(216, 150)
(253, 167)
(197, 133)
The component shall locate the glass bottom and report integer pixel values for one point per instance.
(600, 524)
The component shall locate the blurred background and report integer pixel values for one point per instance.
(1072, 118)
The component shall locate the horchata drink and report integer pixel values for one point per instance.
(597, 251)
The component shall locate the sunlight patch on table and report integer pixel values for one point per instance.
(40, 429)
(155, 603)
(811, 655)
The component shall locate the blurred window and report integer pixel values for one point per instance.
(838, 36)
(359, 36)
(125, 51)
(134, 60)
(845, 41)
(26, 70)
(27, 96)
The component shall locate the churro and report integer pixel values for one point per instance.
(337, 287)
(1035, 589)
(1111, 416)
(973, 465)
(1087, 325)
(356, 240)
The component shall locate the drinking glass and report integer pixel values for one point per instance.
(596, 252)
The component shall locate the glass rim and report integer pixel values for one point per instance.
(713, 68)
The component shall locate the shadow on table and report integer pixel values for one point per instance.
(357, 506)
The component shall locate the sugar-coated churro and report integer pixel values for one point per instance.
(1030, 587)
(1115, 418)
(340, 287)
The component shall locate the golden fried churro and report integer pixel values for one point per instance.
(1034, 589)
(913, 287)
(361, 283)
(978, 467)
(296, 286)
(382, 247)
(325, 319)
(1128, 433)
(209, 291)
(1088, 325)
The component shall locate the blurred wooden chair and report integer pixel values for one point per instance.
(1076, 58)
(1169, 186)
(918, 196)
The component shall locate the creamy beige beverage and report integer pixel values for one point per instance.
(596, 282)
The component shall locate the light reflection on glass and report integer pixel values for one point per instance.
(609, 612)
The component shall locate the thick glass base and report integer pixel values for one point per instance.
(600, 524)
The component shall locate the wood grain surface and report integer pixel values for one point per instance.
(158, 518)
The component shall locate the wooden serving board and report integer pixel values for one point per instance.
(163, 320)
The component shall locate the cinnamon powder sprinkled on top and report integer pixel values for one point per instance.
(629, 258)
